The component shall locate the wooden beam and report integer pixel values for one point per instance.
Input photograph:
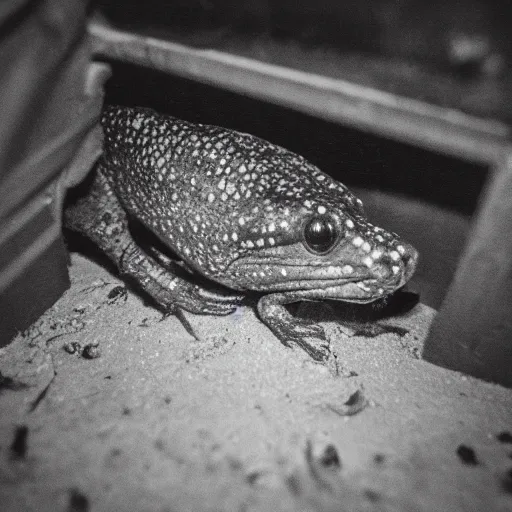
(404, 119)
(473, 331)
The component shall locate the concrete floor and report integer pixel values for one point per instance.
(145, 418)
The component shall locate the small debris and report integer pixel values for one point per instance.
(73, 347)
(330, 458)
(379, 458)
(144, 322)
(506, 481)
(159, 445)
(115, 452)
(117, 294)
(19, 443)
(355, 403)
(504, 437)
(78, 502)
(253, 477)
(372, 495)
(372, 330)
(91, 351)
(467, 455)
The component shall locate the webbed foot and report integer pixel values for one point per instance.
(291, 331)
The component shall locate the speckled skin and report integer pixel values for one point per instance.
(235, 209)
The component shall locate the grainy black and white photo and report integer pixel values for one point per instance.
(255, 256)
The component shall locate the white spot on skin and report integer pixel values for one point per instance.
(260, 242)
(284, 224)
(283, 271)
(211, 197)
(358, 241)
(347, 269)
(225, 237)
(222, 184)
(376, 254)
(241, 221)
(349, 223)
(321, 210)
(271, 228)
(250, 244)
(400, 249)
(394, 255)
(271, 241)
(230, 188)
(395, 269)
(368, 262)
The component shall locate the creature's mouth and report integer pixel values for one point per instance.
(358, 291)
(314, 280)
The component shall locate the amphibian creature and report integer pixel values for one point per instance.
(239, 211)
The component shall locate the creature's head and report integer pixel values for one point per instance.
(294, 229)
(324, 250)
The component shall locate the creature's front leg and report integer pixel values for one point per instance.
(99, 216)
(290, 330)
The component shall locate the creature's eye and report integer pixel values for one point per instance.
(320, 234)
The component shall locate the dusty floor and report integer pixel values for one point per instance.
(146, 418)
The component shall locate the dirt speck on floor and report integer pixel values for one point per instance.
(156, 420)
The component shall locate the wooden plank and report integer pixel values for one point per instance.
(473, 332)
(386, 114)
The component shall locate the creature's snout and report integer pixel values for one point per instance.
(409, 262)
